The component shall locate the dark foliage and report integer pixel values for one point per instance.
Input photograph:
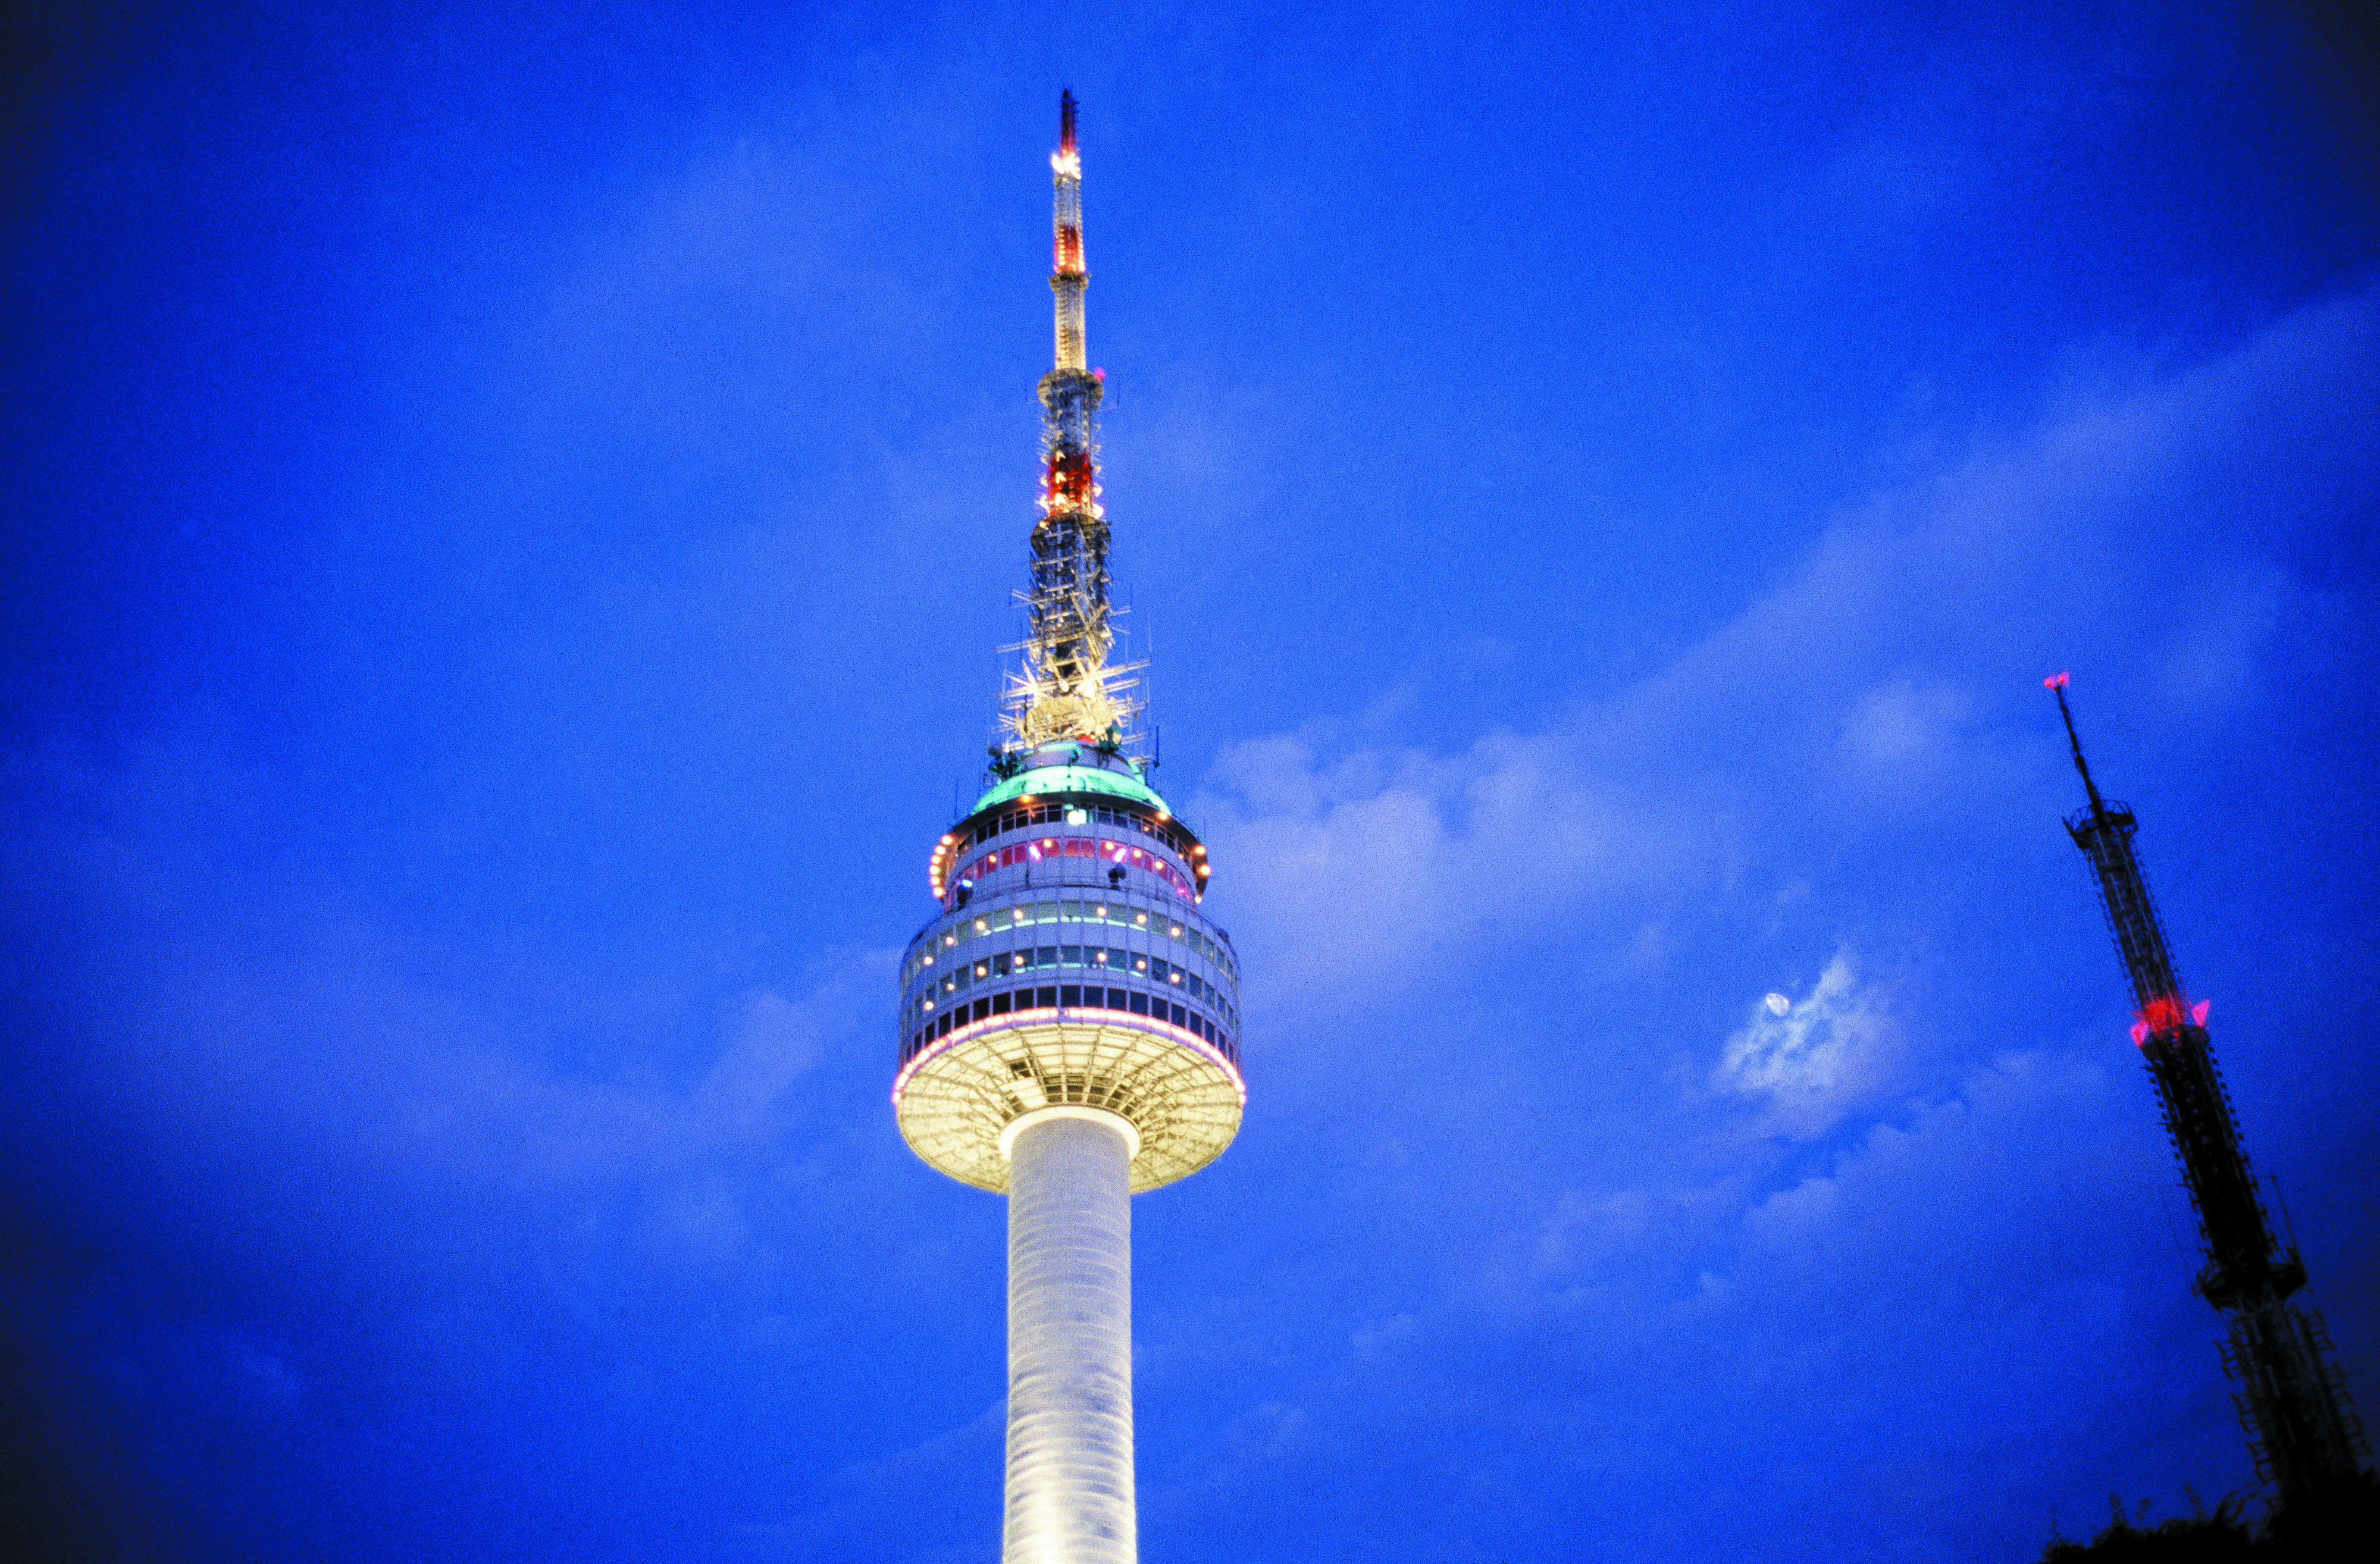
(2220, 1538)
(2339, 1524)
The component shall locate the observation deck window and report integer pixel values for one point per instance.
(1010, 820)
(1122, 855)
(1069, 996)
(1026, 914)
(1094, 958)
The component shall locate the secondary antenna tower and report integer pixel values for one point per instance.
(2301, 1427)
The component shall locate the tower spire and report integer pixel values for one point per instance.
(1067, 278)
(2301, 1430)
(1066, 688)
(2055, 684)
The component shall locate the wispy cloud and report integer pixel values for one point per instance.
(1808, 1060)
(1880, 685)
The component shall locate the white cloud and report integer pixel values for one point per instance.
(1380, 865)
(1903, 733)
(500, 1109)
(1808, 1060)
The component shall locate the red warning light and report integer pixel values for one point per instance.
(2166, 1015)
(2056, 682)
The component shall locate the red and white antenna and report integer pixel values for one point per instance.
(1067, 689)
(1067, 277)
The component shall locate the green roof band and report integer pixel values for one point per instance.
(1046, 779)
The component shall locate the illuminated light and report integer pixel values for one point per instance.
(2198, 1012)
(2139, 1034)
(2056, 681)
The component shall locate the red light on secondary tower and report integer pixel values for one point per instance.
(2167, 1013)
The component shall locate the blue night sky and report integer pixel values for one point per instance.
(511, 510)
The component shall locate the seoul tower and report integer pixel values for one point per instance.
(2301, 1429)
(1069, 1017)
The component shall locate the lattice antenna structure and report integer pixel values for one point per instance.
(1065, 687)
(2292, 1400)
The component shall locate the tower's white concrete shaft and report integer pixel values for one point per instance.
(1070, 1337)
(1069, 1017)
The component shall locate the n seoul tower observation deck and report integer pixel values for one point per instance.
(1069, 1017)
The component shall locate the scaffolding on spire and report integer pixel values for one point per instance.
(2292, 1400)
(1066, 688)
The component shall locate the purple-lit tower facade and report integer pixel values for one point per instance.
(1069, 1031)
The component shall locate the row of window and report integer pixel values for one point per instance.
(1082, 814)
(984, 969)
(1069, 996)
(1040, 848)
(1071, 910)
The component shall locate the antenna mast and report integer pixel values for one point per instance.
(1066, 688)
(2301, 1428)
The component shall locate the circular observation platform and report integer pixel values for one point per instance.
(1070, 966)
(1179, 1094)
